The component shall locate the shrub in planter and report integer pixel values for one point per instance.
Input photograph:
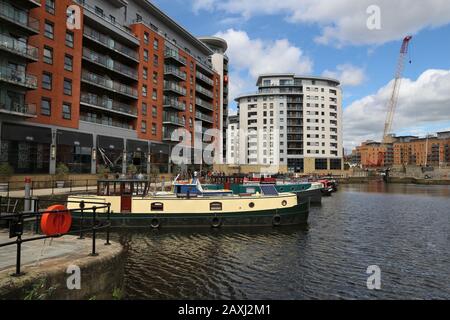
(103, 172)
(131, 170)
(6, 171)
(61, 174)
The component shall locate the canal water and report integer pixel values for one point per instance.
(402, 229)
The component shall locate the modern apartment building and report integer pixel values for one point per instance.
(100, 82)
(294, 122)
(233, 140)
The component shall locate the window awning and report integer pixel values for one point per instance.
(71, 138)
(137, 146)
(16, 132)
(110, 143)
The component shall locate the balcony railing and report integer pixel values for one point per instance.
(19, 17)
(173, 103)
(174, 87)
(204, 117)
(175, 71)
(172, 54)
(204, 104)
(173, 119)
(107, 104)
(17, 77)
(204, 91)
(109, 84)
(109, 63)
(105, 17)
(18, 47)
(110, 43)
(23, 109)
(204, 78)
(106, 122)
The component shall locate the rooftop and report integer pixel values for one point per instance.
(293, 75)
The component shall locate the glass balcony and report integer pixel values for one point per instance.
(109, 63)
(107, 104)
(18, 17)
(204, 78)
(204, 117)
(204, 91)
(17, 77)
(110, 43)
(174, 119)
(174, 87)
(15, 46)
(170, 70)
(109, 84)
(174, 103)
(106, 121)
(202, 103)
(18, 109)
(174, 55)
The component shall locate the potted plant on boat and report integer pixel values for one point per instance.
(6, 171)
(61, 174)
(131, 170)
(103, 172)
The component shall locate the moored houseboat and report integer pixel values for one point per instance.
(133, 205)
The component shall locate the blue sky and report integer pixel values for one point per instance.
(368, 57)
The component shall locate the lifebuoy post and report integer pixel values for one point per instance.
(27, 203)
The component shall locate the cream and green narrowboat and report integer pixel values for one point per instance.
(133, 205)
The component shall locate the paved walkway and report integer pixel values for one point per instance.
(34, 252)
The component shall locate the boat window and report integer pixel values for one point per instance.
(284, 203)
(251, 190)
(157, 206)
(251, 204)
(215, 206)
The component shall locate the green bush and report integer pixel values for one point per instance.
(131, 169)
(62, 171)
(6, 171)
(103, 171)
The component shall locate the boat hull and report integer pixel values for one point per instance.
(313, 196)
(275, 217)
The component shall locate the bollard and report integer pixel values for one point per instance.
(27, 203)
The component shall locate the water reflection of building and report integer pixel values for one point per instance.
(108, 93)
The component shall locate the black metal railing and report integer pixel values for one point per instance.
(16, 223)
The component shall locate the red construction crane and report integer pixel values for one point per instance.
(392, 104)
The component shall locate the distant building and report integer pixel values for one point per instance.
(233, 140)
(293, 121)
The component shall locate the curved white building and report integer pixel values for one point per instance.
(293, 121)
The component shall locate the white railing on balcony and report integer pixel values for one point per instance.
(20, 47)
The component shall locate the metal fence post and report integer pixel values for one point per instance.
(81, 220)
(94, 231)
(108, 221)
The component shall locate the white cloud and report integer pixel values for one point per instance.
(252, 57)
(423, 104)
(349, 75)
(345, 21)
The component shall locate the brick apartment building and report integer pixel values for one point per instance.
(109, 92)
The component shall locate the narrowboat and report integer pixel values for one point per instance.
(189, 205)
(306, 191)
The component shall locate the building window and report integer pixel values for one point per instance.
(46, 107)
(68, 87)
(50, 6)
(155, 77)
(154, 129)
(144, 90)
(138, 17)
(47, 81)
(48, 30)
(144, 109)
(69, 39)
(154, 112)
(146, 37)
(144, 127)
(145, 73)
(155, 60)
(145, 55)
(155, 94)
(67, 111)
(99, 11)
(156, 44)
(321, 164)
(68, 62)
(335, 164)
(48, 55)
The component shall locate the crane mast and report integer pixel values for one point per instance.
(392, 104)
